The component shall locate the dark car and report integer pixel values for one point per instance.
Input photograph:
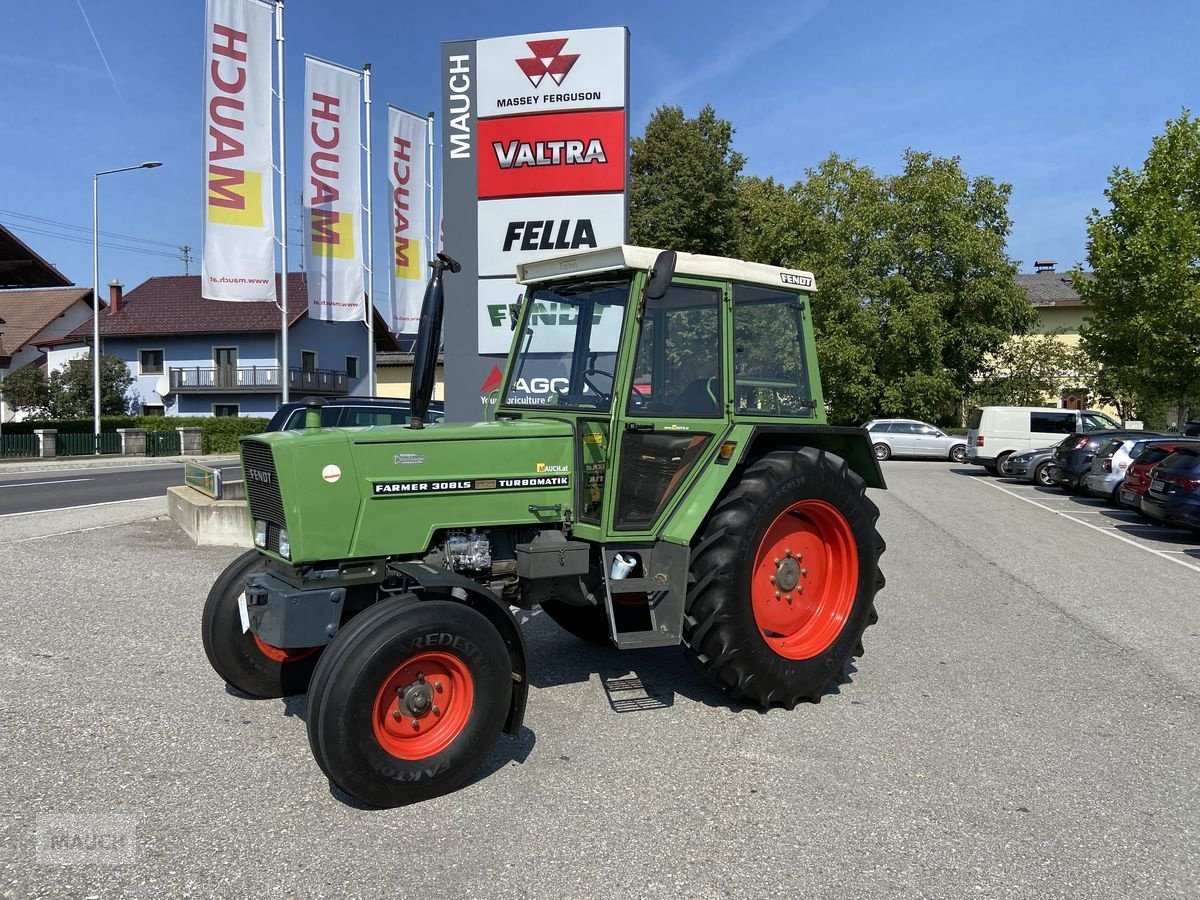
(1036, 466)
(351, 411)
(1174, 492)
(1137, 476)
(1073, 457)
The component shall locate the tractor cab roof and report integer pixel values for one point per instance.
(625, 256)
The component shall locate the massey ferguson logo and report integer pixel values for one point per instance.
(547, 59)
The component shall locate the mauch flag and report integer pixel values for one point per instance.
(238, 258)
(408, 136)
(332, 193)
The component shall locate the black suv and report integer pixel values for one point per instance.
(1073, 457)
(351, 411)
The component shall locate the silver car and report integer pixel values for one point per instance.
(1110, 462)
(911, 437)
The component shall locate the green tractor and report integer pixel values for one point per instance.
(657, 471)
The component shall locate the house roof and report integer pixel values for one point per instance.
(21, 267)
(1046, 289)
(26, 313)
(173, 304)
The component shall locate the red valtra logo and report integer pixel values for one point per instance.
(547, 59)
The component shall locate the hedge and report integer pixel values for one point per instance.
(218, 434)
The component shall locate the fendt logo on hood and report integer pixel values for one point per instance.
(547, 59)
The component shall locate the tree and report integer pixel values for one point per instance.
(914, 289)
(1144, 299)
(683, 177)
(67, 394)
(1027, 370)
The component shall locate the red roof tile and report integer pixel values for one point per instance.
(25, 313)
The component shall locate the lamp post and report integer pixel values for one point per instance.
(96, 291)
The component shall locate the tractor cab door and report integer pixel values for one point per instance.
(674, 409)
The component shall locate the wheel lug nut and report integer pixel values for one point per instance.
(437, 710)
(804, 573)
(437, 686)
(395, 714)
(777, 595)
(789, 598)
(772, 579)
(416, 725)
(787, 552)
(778, 560)
(421, 677)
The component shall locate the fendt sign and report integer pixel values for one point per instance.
(535, 135)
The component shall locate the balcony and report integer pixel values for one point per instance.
(254, 380)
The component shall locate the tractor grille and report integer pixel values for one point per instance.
(262, 489)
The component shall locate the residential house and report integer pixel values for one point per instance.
(1060, 312)
(31, 317)
(192, 356)
(394, 371)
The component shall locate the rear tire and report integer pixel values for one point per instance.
(791, 512)
(1041, 475)
(1002, 465)
(882, 451)
(440, 665)
(241, 658)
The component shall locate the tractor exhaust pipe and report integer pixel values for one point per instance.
(429, 339)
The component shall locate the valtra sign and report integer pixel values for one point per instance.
(238, 259)
(535, 137)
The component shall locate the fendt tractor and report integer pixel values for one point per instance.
(657, 470)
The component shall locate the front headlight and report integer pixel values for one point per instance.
(285, 546)
(260, 533)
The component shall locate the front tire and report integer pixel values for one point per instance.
(240, 657)
(958, 453)
(882, 451)
(1041, 475)
(783, 579)
(409, 700)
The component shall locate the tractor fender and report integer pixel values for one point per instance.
(851, 444)
(430, 583)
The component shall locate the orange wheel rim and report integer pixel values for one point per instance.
(805, 579)
(282, 654)
(423, 705)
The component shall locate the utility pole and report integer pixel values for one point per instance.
(185, 253)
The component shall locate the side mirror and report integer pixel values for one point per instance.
(661, 275)
(514, 313)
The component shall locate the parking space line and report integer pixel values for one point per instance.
(1111, 532)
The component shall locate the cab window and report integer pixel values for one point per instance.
(770, 374)
(678, 366)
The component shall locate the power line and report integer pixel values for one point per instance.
(85, 229)
(83, 240)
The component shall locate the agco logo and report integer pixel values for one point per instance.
(547, 59)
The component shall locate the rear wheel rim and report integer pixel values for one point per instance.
(805, 579)
(423, 705)
(283, 654)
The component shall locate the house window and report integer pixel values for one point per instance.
(308, 360)
(225, 409)
(151, 362)
(148, 410)
(351, 366)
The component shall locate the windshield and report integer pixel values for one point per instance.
(568, 353)
(1098, 422)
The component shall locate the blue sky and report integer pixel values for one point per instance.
(1047, 96)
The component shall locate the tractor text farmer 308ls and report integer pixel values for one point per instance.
(678, 485)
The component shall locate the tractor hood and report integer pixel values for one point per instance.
(343, 493)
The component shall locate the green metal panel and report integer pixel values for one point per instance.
(85, 444)
(163, 443)
(18, 445)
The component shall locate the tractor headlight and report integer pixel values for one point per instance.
(285, 546)
(260, 533)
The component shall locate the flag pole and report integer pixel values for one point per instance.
(431, 214)
(284, 371)
(370, 306)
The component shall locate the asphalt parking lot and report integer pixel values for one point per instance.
(1024, 724)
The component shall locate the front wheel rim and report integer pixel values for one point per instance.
(805, 579)
(283, 654)
(423, 705)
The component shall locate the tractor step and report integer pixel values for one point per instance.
(647, 609)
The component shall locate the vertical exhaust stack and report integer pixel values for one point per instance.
(429, 338)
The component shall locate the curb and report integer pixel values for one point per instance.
(17, 467)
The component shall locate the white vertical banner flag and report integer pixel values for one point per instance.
(333, 250)
(238, 256)
(407, 150)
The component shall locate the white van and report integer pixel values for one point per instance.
(996, 432)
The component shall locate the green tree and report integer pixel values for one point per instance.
(70, 389)
(25, 390)
(1143, 304)
(914, 289)
(1027, 370)
(683, 177)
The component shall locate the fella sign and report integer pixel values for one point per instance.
(535, 135)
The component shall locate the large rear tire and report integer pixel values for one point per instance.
(408, 700)
(240, 657)
(783, 579)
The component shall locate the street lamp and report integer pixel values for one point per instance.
(96, 291)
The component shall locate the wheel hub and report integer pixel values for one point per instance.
(787, 574)
(416, 699)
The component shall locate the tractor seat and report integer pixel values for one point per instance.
(699, 398)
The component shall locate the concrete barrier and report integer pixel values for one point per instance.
(210, 522)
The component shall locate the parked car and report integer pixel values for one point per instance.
(911, 437)
(1036, 466)
(1110, 463)
(994, 433)
(1137, 476)
(351, 411)
(1074, 456)
(1174, 492)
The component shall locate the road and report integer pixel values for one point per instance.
(1024, 725)
(32, 492)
